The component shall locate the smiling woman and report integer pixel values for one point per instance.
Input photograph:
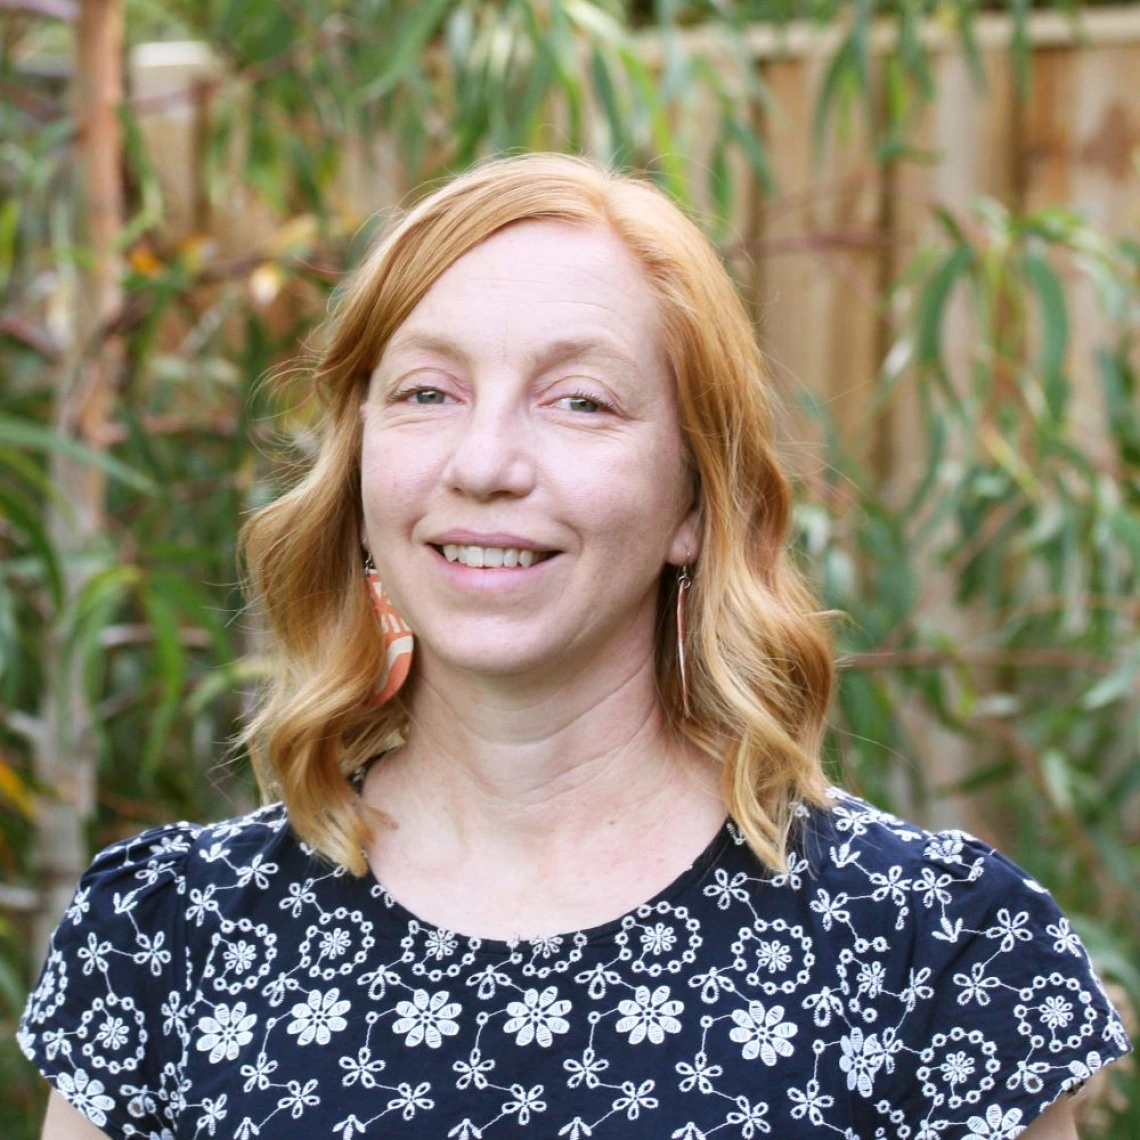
(572, 868)
(564, 452)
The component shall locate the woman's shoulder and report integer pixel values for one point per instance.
(951, 955)
(853, 839)
(109, 1011)
(137, 897)
(870, 872)
(172, 858)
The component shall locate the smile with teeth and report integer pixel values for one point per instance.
(493, 557)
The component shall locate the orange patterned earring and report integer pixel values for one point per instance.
(398, 640)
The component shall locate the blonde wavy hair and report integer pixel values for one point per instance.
(758, 649)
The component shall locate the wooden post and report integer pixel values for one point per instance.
(65, 756)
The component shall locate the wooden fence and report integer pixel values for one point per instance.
(839, 230)
(816, 255)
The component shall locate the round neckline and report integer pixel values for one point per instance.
(693, 874)
(503, 947)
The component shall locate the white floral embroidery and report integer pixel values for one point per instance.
(903, 986)
(525, 1102)
(318, 1017)
(409, 1100)
(226, 1032)
(649, 1015)
(441, 943)
(213, 1113)
(750, 1117)
(634, 1098)
(995, 1125)
(1056, 1012)
(86, 1094)
(299, 1097)
(700, 1074)
(428, 1018)
(763, 1033)
(588, 1071)
(537, 1017)
(862, 1058)
(810, 1103)
(112, 1033)
(658, 939)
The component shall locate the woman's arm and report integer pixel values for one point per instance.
(1055, 1123)
(65, 1123)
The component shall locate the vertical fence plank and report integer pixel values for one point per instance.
(817, 253)
(169, 84)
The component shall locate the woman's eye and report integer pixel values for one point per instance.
(423, 397)
(581, 404)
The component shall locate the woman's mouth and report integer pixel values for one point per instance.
(494, 557)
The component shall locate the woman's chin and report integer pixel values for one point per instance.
(489, 663)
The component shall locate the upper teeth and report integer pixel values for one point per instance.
(491, 556)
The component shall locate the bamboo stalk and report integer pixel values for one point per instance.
(65, 757)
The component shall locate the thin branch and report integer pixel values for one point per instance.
(116, 636)
(136, 308)
(30, 335)
(980, 658)
(31, 728)
(814, 242)
(39, 107)
(142, 811)
(115, 433)
(114, 706)
(243, 266)
(1118, 603)
(53, 9)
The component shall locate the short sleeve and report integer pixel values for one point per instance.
(104, 1023)
(1007, 1011)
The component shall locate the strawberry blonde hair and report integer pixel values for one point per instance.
(758, 649)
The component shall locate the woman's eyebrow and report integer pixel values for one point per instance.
(426, 342)
(576, 348)
(549, 355)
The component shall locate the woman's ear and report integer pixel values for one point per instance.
(685, 548)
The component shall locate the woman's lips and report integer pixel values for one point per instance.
(493, 557)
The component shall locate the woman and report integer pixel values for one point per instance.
(499, 896)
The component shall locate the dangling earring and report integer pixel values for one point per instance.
(684, 584)
(398, 640)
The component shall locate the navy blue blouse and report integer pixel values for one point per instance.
(223, 981)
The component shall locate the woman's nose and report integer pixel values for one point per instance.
(492, 455)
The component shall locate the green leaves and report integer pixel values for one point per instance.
(23, 434)
(933, 302)
(405, 48)
(989, 583)
(1054, 315)
(994, 590)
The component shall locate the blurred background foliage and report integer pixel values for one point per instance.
(972, 503)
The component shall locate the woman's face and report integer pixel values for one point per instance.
(523, 474)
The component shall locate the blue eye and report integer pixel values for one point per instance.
(423, 397)
(586, 404)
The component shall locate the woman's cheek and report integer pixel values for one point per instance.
(398, 468)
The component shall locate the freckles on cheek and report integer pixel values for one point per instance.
(658, 473)
(394, 483)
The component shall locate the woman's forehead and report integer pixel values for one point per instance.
(540, 289)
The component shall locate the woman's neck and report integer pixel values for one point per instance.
(527, 801)
(529, 763)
